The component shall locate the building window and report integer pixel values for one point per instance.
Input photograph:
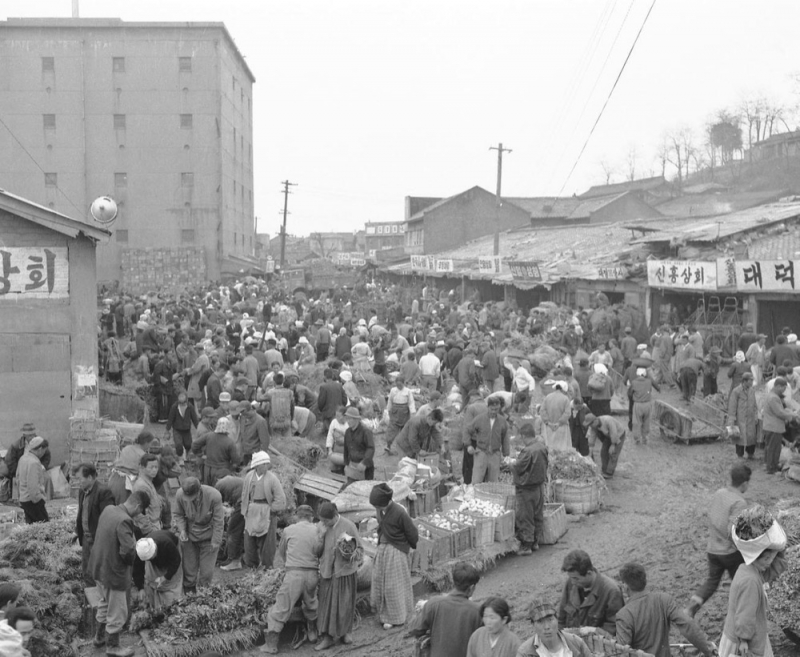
(394, 229)
(120, 180)
(119, 122)
(122, 235)
(48, 64)
(187, 180)
(235, 238)
(234, 83)
(186, 121)
(49, 121)
(187, 236)
(51, 180)
(118, 64)
(185, 64)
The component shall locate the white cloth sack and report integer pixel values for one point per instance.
(773, 539)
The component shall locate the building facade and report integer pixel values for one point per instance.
(156, 115)
(381, 236)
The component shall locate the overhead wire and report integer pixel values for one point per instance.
(608, 98)
(33, 159)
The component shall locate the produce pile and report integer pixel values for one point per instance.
(449, 521)
(784, 594)
(223, 617)
(788, 515)
(753, 522)
(569, 465)
(43, 562)
(481, 508)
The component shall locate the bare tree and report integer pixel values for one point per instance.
(662, 154)
(608, 170)
(318, 241)
(631, 162)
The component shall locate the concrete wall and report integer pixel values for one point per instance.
(44, 343)
(466, 217)
(158, 205)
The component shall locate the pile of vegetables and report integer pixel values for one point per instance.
(42, 560)
(463, 518)
(223, 617)
(788, 515)
(784, 594)
(481, 508)
(444, 521)
(569, 465)
(753, 522)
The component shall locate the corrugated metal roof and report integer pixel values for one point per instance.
(781, 246)
(642, 184)
(718, 228)
(712, 205)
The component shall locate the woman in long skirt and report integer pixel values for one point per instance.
(391, 595)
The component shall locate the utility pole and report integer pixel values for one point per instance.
(286, 184)
(500, 150)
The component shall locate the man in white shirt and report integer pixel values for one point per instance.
(430, 368)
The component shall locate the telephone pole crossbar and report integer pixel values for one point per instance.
(286, 184)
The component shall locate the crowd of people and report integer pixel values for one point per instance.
(228, 369)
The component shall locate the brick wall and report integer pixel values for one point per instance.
(149, 269)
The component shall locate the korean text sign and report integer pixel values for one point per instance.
(768, 275)
(682, 274)
(34, 273)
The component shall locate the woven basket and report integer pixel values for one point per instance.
(577, 497)
(555, 524)
(504, 526)
(499, 493)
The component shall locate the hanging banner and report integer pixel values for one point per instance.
(34, 273)
(682, 274)
(489, 265)
(766, 275)
(525, 270)
(726, 273)
(357, 261)
(419, 262)
(444, 266)
(269, 266)
(613, 273)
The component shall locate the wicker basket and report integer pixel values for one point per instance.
(483, 530)
(499, 493)
(577, 497)
(555, 524)
(504, 526)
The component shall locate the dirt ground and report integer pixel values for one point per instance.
(652, 513)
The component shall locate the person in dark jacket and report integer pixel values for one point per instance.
(530, 474)
(93, 497)
(182, 417)
(162, 577)
(111, 565)
(230, 488)
(16, 451)
(420, 435)
(359, 445)
(391, 595)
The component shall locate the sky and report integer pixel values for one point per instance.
(364, 102)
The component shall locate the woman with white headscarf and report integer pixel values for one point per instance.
(737, 369)
(555, 413)
(601, 386)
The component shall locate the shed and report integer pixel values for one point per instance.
(48, 320)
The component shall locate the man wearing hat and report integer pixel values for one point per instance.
(548, 640)
(32, 478)
(743, 415)
(391, 595)
(628, 348)
(612, 435)
(16, 451)
(488, 442)
(217, 452)
(254, 434)
(359, 447)
(162, 576)
(200, 520)
(262, 498)
(530, 474)
(300, 549)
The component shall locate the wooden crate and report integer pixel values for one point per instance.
(462, 538)
(432, 460)
(483, 531)
(555, 524)
(504, 526)
(439, 532)
(430, 551)
(425, 504)
(325, 488)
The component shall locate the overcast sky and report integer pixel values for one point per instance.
(363, 102)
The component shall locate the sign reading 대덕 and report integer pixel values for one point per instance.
(34, 273)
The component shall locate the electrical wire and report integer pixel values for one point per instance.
(33, 159)
(608, 98)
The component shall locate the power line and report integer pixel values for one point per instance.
(33, 159)
(608, 98)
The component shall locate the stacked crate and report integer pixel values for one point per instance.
(149, 269)
(92, 441)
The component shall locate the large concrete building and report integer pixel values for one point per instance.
(157, 115)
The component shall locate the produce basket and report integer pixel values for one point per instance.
(433, 550)
(555, 524)
(461, 534)
(504, 526)
(483, 531)
(499, 493)
(577, 497)
(426, 502)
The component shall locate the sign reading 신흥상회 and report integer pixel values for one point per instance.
(682, 274)
(34, 273)
(767, 275)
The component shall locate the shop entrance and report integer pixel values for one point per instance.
(774, 315)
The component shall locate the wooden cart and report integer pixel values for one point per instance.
(676, 424)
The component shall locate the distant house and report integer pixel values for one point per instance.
(785, 144)
(381, 236)
(453, 221)
(645, 188)
(554, 211)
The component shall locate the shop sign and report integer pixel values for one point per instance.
(767, 275)
(419, 262)
(444, 266)
(726, 273)
(682, 274)
(525, 270)
(357, 261)
(34, 273)
(269, 266)
(343, 259)
(613, 273)
(489, 265)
